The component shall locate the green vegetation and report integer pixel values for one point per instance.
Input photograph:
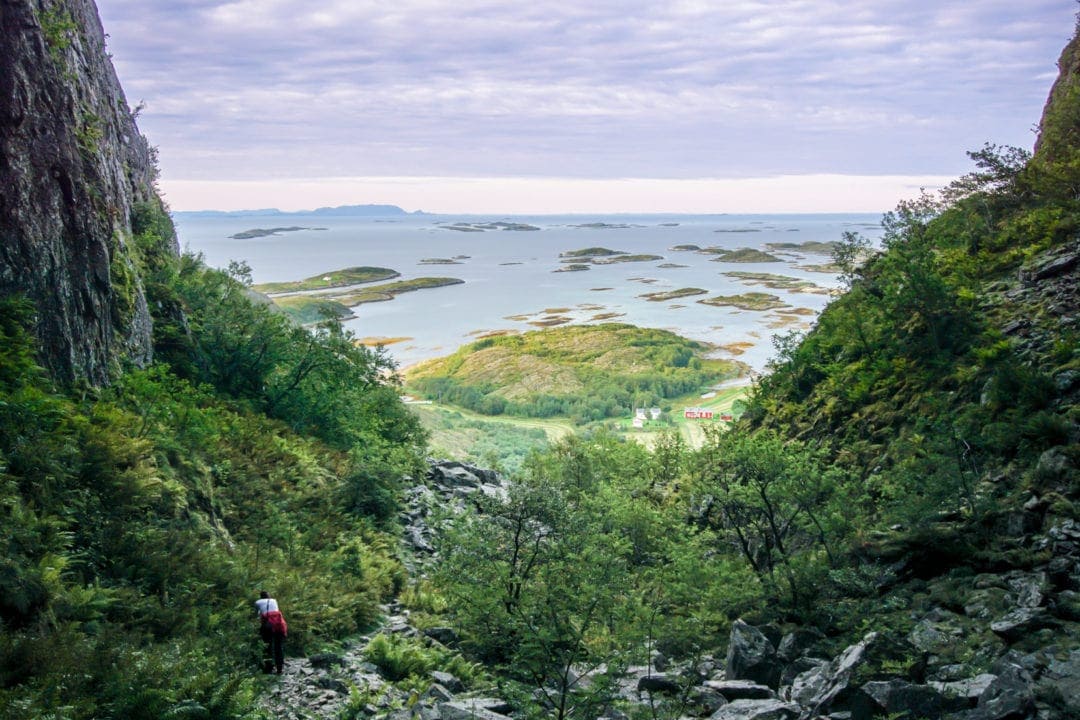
(329, 280)
(309, 309)
(140, 519)
(59, 29)
(746, 301)
(930, 403)
(501, 443)
(672, 294)
(583, 372)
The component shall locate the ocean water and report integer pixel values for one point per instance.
(510, 279)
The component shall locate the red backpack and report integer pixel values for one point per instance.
(276, 622)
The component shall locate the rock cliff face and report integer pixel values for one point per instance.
(74, 173)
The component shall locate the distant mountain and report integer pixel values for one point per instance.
(339, 211)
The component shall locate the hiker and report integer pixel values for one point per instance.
(272, 628)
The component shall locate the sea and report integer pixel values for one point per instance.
(513, 278)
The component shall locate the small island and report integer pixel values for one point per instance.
(388, 291)
(814, 247)
(685, 248)
(625, 259)
(572, 267)
(591, 252)
(266, 232)
(778, 282)
(747, 301)
(500, 225)
(742, 255)
(328, 280)
(673, 294)
(439, 261)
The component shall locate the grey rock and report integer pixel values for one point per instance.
(796, 644)
(328, 683)
(757, 710)
(444, 635)
(965, 692)
(1029, 589)
(658, 684)
(798, 667)
(741, 690)
(750, 656)
(1020, 622)
(326, 660)
(931, 636)
(466, 710)
(1062, 676)
(896, 698)
(705, 701)
(810, 685)
(438, 693)
(448, 681)
(73, 171)
(1008, 697)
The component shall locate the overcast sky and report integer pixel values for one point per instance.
(635, 105)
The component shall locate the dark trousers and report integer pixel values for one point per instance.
(275, 646)
(277, 649)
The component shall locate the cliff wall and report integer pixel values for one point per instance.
(74, 174)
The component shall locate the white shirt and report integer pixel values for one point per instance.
(265, 605)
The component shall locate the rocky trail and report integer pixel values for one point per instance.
(1006, 650)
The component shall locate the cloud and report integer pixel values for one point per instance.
(318, 88)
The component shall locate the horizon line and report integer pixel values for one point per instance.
(817, 193)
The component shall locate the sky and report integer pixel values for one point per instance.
(544, 106)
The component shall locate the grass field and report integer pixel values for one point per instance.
(504, 441)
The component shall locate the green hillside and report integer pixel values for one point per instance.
(587, 372)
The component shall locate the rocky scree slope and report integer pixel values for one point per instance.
(75, 176)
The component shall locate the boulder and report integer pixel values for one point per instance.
(704, 701)
(963, 694)
(750, 656)
(658, 684)
(757, 710)
(741, 690)
(798, 667)
(896, 699)
(328, 683)
(438, 693)
(1020, 622)
(1062, 677)
(326, 660)
(796, 644)
(830, 688)
(446, 636)
(1029, 589)
(1008, 697)
(448, 681)
(476, 709)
